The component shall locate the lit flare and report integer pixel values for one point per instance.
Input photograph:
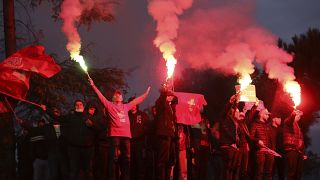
(170, 63)
(244, 81)
(78, 58)
(294, 89)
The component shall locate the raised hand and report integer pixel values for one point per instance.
(90, 81)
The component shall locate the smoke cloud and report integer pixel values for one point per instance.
(70, 14)
(228, 39)
(74, 12)
(165, 13)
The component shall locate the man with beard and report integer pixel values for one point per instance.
(80, 136)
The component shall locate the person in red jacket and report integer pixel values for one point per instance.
(293, 145)
(261, 130)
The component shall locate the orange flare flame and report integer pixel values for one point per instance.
(170, 63)
(244, 81)
(294, 89)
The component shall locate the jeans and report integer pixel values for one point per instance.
(264, 165)
(138, 159)
(230, 157)
(40, 169)
(280, 167)
(164, 157)
(295, 165)
(80, 159)
(244, 159)
(101, 160)
(120, 155)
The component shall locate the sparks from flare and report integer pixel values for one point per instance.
(78, 58)
(294, 89)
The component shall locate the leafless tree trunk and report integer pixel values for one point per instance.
(9, 27)
(7, 143)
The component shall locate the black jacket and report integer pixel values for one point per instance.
(228, 132)
(165, 119)
(77, 132)
(138, 124)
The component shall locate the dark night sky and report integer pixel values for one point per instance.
(127, 42)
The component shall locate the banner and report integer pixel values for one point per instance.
(248, 94)
(188, 107)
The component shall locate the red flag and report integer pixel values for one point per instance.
(32, 59)
(188, 107)
(15, 70)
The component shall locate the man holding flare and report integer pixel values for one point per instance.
(119, 132)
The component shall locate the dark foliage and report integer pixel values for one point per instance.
(306, 62)
(101, 11)
(69, 84)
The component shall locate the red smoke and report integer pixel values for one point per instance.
(165, 13)
(70, 14)
(74, 12)
(228, 39)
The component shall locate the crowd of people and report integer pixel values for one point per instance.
(119, 141)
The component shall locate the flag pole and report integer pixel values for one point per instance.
(20, 99)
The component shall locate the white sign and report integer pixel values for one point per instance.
(248, 94)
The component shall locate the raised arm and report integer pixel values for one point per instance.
(99, 94)
(250, 114)
(140, 99)
(291, 117)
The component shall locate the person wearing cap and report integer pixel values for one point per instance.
(261, 130)
(119, 129)
(293, 144)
